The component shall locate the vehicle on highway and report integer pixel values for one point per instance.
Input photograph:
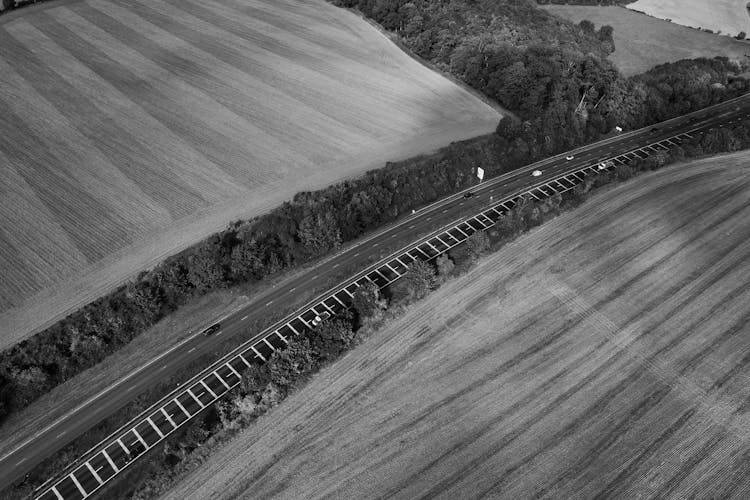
(505, 191)
(320, 318)
(212, 329)
(654, 129)
(536, 173)
(569, 157)
(468, 195)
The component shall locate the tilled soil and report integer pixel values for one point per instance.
(604, 354)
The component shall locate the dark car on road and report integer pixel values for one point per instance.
(468, 195)
(212, 329)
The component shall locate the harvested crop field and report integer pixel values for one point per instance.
(132, 128)
(726, 16)
(642, 42)
(605, 354)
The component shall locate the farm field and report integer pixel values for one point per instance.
(642, 42)
(604, 354)
(133, 128)
(728, 16)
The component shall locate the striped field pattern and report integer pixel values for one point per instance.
(727, 17)
(604, 355)
(131, 128)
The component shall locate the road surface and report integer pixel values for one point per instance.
(16, 462)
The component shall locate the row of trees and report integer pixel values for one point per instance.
(302, 230)
(565, 93)
(265, 386)
(311, 225)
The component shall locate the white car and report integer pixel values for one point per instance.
(319, 319)
(536, 173)
(618, 128)
(605, 164)
(570, 157)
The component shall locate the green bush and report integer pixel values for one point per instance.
(415, 283)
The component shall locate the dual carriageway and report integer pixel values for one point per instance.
(491, 200)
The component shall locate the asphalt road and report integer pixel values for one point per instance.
(16, 462)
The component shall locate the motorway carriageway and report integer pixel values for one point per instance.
(14, 463)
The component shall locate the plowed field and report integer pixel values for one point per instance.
(726, 16)
(132, 128)
(605, 354)
(642, 42)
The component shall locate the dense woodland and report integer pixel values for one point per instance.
(552, 74)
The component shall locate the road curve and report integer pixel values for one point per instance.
(16, 462)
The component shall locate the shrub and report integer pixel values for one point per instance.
(445, 265)
(477, 244)
(331, 338)
(287, 366)
(624, 172)
(367, 300)
(415, 284)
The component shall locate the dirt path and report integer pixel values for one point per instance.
(605, 353)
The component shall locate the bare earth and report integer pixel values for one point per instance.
(130, 129)
(728, 16)
(605, 353)
(642, 42)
